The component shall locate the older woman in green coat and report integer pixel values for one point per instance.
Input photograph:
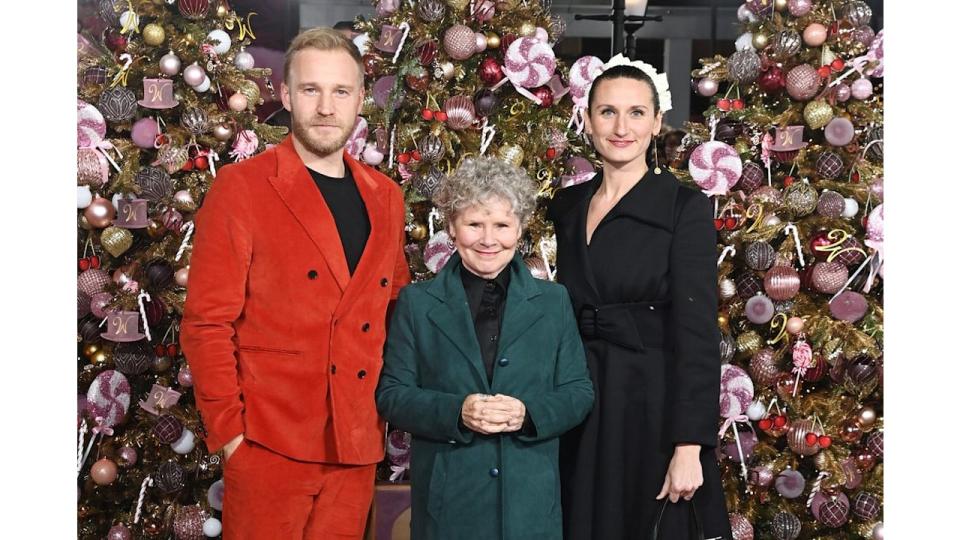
(485, 368)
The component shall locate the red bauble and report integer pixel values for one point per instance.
(723, 104)
(84, 264)
(426, 51)
(765, 424)
(426, 114)
(819, 240)
(544, 94)
(824, 441)
(788, 181)
(415, 155)
(490, 71)
(811, 438)
(372, 64)
(551, 153)
(772, 80)
(187, 166)
(404, 158)
(172, 350)
(718, 224)
(160, 349)
(738, 104)
(95, 262)
(440, 116)
(779, 421)
(823, 71)
(115, 41)
(201, 163)
(837, 64)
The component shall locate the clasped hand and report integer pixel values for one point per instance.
(487, 414)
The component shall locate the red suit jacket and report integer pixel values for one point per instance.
(284, 345)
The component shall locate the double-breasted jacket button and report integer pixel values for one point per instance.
(312, 274)
(384, 282)
(361, 374)
(504, 362)
(494, 472)
(365, 327)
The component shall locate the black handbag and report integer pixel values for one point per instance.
(694, 518)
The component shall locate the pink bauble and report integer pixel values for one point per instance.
(99, 303)
(100, 212)
(849, 306)
(459, 42)
(93, 281)
(707, 87)
(736, 391)
(185, 377)
(109, 397)
(119, 532)
(438, 251)
(715, 166)
(759, 309)
(839, 132)
(799, 8)
(781, 283)
(877, 533)
(237, 102)
(829, 277)
(790, 484)
(181, 276)
(93, 169)
(460, 112)
(761, 476)
(144, 132)
(582, 73)
(481, 42)
(815, 34)
(371, 155)
(842, 92)
(741, 527)
(103, 472)
(861, 88)
(529, 62)
(91, 126)
(193, 75)
(794, 325)
(764, 368)
(748, 441)
(803, 82)
(170, 64)
(215, 495)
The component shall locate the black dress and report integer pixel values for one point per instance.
(645, 294)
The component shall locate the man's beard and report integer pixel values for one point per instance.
(321, 147)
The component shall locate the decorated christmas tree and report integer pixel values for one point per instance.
(792, 155)
(166, 95)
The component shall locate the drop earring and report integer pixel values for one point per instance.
(656, 162)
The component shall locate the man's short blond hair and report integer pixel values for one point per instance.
(321, 38)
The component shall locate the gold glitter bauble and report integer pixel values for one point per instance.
(251, 91)
(817, 114)
(458, 4)
(90, 349)
(723, 320)
(153, 34)
(780, 5)
(155, 230)
(800, 198)
(511, 153)
(222, 11)
(493, 40)
(116, 240)
(528, 29)
(748, 343)
(417, 232)
(760, 41)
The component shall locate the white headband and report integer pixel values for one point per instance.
(660, 82)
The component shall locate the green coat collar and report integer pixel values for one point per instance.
(452, 315)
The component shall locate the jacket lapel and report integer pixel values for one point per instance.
(299, 192)
(452, 317)
(378, 244)
(520, 313)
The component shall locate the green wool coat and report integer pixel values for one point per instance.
(466, 485)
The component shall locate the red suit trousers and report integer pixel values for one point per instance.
(268, 495)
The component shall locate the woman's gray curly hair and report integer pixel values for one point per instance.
(477, 180)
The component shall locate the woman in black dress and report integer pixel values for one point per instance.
(637, 252)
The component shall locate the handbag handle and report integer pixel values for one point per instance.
(693, 514)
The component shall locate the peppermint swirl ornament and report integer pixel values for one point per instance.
(91, 126)
(736, 391)
(529, 62)
(715, 167)
(582, 74)
(438, 251)
(108, 398)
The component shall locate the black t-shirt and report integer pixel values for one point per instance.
(349, 213)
